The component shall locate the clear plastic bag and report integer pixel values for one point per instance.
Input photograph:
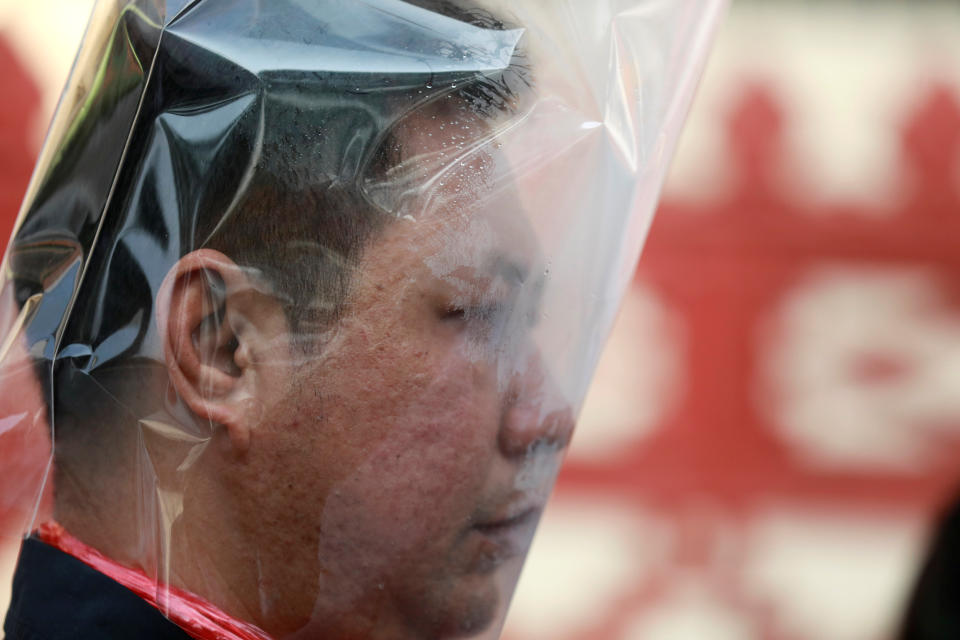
(309, 292)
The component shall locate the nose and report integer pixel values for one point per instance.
(534, 412)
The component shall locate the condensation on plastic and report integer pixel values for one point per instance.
(307, 292)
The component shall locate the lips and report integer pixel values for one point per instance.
(504, 536)
(507, 522)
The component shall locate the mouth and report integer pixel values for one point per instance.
(504, 536)
(505, 523)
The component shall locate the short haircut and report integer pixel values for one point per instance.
(297, 163)
(303, 234)
(258, 199)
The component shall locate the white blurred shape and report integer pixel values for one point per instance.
(9, 550)
(638, 379)
(588, 552)
(848, 75)
(690, 612)
(45, 35)
(833, 577)
(865, 368)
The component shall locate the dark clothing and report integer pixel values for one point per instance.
(934, 610)
(57, 597)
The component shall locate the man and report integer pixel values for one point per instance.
(295, 392)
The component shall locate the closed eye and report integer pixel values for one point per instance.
(481, 312)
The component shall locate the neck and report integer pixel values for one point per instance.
(162, 529)
(206, 531)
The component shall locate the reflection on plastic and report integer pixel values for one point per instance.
(309, 292)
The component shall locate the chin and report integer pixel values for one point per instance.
(466, 610)
(473, 619)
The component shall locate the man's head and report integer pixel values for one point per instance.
(401, 467)
(338, 423)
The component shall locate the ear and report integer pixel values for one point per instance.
(207, 313)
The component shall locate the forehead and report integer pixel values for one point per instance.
(452, 188)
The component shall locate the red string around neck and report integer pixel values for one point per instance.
(199, 618)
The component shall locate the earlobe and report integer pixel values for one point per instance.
(202, 336)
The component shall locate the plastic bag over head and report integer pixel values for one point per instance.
(308, 293)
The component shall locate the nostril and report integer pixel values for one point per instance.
(524, 426)
(534, 411)
(561, 427)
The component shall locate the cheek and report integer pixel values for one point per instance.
(426, 461)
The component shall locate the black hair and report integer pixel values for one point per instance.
(265, 167)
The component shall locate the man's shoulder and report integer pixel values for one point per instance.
(56, 596)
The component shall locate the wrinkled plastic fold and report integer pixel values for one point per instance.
(305, 295)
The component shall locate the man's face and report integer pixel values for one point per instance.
(404, 464)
